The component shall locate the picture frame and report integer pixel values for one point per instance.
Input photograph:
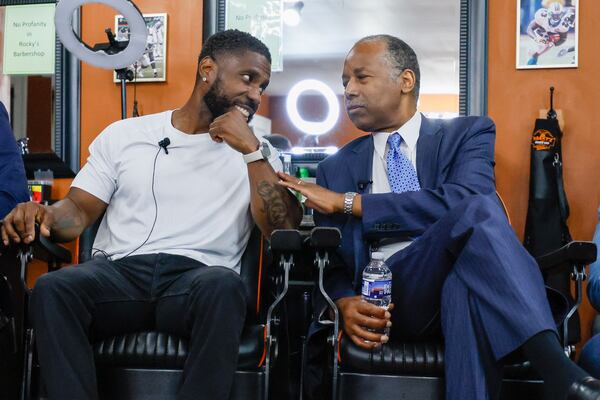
(152, 66)
(547, 34)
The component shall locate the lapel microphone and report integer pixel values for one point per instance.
(164, 143)
(362, 185)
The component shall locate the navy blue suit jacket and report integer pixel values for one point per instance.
(13, 183)
(455, 159)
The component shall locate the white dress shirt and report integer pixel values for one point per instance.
(410, 134)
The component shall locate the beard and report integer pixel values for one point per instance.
(216, 101)
(219, 103)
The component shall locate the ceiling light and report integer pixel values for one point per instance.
(291, 14)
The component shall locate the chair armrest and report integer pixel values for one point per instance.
(44, 249)
(573, 253)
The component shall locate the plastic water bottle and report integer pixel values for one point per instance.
(377, 283)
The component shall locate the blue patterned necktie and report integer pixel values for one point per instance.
(401, 174)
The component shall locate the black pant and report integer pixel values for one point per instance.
(163, 292)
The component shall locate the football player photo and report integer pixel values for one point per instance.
(152, 66)
(547, 35)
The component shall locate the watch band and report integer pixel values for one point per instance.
(263, 153)
(348, 202)
(254, 156)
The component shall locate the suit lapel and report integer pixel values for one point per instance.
(360, 164)
(427, 152)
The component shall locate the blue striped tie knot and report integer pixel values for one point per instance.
(401, 174)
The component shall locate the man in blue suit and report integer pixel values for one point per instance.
(424, 191)
(13, 184)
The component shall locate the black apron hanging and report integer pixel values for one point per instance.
(546, 225)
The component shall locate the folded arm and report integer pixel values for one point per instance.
(272, 206)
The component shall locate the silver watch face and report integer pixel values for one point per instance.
(265, 150)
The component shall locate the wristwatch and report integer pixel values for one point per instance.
(348, 202)
(263, 153)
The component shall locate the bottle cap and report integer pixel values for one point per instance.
(377, 255)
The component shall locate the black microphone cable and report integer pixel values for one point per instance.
(155, 204)
(109, 256)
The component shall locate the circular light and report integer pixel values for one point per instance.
(291, 17)
(138, 33)
(311, 127)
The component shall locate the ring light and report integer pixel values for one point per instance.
(138, 33)
(311, 127)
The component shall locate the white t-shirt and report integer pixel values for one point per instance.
(201, 187)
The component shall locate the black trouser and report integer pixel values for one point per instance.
(163, 292)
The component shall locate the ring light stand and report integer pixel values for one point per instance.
(115, 54)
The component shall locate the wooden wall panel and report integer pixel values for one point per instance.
(514, 100)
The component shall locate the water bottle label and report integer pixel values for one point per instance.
(376, 289)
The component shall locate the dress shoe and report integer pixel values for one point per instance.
(585, 389)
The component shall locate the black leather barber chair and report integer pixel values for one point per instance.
(148, 365)
(15, 356)
(415, 370)
(12, 311)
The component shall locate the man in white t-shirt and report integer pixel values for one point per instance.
(180, 192)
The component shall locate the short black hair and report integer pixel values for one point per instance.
(231, 41)
(400, 55)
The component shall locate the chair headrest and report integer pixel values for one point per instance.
(286, 240)
(325, 238)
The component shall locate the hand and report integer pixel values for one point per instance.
(19, 224)
(317, 197)
(357, 315)
(232, 128)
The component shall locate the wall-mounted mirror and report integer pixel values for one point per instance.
(447, 35)
(43, 107)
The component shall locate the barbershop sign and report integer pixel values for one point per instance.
(262, 19)
(29, 39)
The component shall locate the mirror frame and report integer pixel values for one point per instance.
(65, 161)
(472, 50)
(473, 57)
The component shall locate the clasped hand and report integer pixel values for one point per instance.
(358, 317)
